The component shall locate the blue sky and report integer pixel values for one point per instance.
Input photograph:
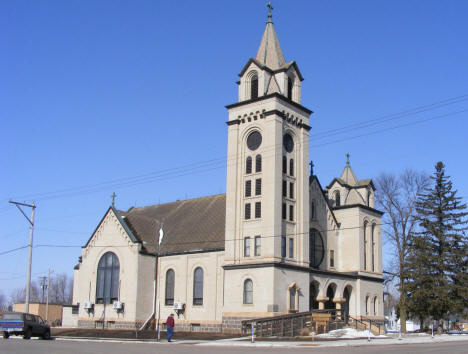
(99, 91)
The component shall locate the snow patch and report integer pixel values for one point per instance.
(349, 333)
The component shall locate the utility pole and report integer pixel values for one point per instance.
(43, 287)
(31, 231)
(47, 303)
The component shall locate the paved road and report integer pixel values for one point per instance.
(19, 346)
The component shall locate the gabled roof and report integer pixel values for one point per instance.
(285, 67)
(121, 221)
(314, 178)
(193, 225)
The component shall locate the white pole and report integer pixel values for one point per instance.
(47, 303)
(432, 335)
(159, 328)
(252, 325)
(28, 280)
(368, 332)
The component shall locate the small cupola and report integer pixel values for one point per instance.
(268, 72)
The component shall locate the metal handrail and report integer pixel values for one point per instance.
(293, 323)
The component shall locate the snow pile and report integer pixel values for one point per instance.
(347, 333)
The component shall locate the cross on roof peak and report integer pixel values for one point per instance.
(311, 164)
(270, 7)
(113, 198)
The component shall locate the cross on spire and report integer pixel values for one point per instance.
(311, 164)
(270, 16)
(347, 159)
(113, 198)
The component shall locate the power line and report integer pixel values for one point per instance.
(392, 128)
(204, 242)
(220, 162)
(391, 117)
(13, 250)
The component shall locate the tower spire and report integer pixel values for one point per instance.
(269, 52)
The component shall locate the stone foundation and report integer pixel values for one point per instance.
(229, 324)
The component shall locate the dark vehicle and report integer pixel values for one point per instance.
(24, 324)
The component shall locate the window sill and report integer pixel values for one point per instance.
(254, 219)
(259, 196)
(252, 174)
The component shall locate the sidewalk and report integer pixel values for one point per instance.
(245, 341)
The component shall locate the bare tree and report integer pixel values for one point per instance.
(18, 296)
(3, 302)
(60, 291)
(396, 196)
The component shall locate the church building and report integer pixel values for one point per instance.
(276, 242)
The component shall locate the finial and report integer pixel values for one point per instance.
(347, 159)
(270, 16)
(113, 198)
(311, 164)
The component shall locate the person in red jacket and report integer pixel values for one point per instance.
(170, 326)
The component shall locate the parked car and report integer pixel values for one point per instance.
(23, 324)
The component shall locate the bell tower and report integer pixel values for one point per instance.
(267, 190)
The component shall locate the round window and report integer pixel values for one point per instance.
(288, 142)
(316, 249)
(254, 140)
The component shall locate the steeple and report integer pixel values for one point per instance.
(269, 52)
(348, 175)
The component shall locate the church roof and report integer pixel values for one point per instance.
(193, 225)
(269, 52)
(348, 178)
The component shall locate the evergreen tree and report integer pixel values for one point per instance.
(438, 261)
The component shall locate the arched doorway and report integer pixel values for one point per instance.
(347, 296)
(331, 295)
(313, 293)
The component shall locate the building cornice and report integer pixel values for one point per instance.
(275, 94)
(362, 206)
(167, 254)
(347, 275)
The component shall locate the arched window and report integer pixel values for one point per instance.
(365, 245)
(312, 210)
(368, 196)
(198, 286)
(316, 249)
(258, 163)
(170, 281)
(292, 298)
(248, 291)
(285, 165)
(291, 167)
(337, 198)
(254, 87)
(375, 306)
(248, 165)
(107, 287)
(290, 88)
(372, 248)
(367, 305)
